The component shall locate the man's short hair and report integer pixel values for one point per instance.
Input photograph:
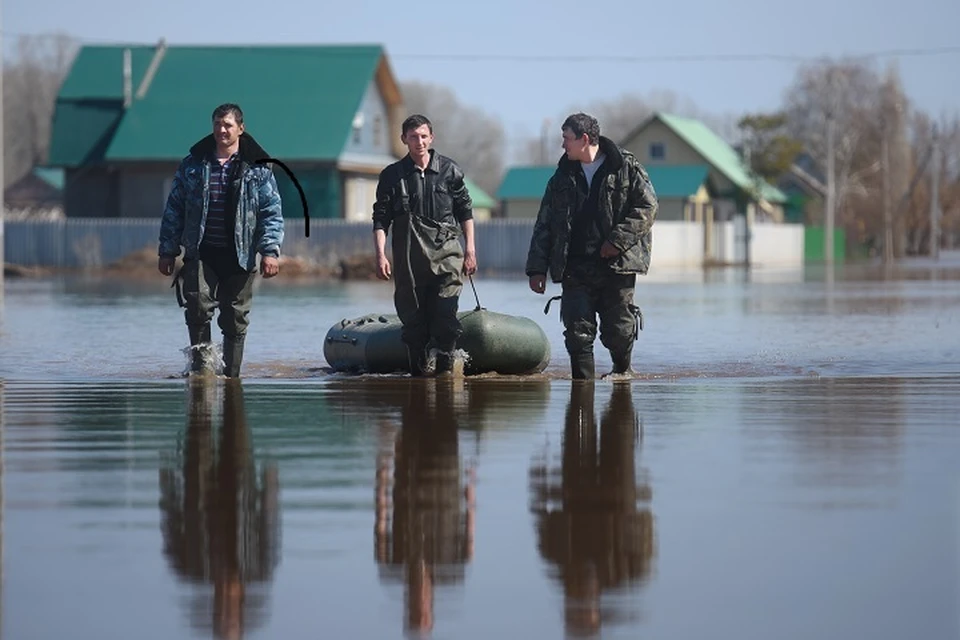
(227, 109)
(415, 122)
(581, 123)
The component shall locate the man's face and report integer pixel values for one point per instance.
(575, 147)
(418, 140)
(226, 131)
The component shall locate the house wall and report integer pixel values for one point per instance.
(671, 209)
(143, 189)
(677, 152)
(372, 136)
(322, 186)
(91, 192)
(520, 209)
(359, 194)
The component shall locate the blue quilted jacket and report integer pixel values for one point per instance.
(259, 220)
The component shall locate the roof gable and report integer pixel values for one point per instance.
(481, 199)
(298, 101)
(716, 151)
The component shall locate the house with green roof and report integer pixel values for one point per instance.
(126, 116)
(40, 190)
(665, 140)
(483, 202)
(682, 191)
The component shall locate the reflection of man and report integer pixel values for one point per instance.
(428, 534)
(220, 525)
(589, 526)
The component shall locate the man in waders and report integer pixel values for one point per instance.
(223, 209)
(423, 197)
(593, 235)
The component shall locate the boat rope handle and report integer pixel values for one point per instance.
(475, 293)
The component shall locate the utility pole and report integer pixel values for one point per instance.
(831, 204)
(885, 185)
(544, 135)
(3, 182)
(935, 197)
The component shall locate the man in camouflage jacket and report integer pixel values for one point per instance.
(224, 208)
(593, 235)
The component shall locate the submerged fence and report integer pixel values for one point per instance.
(501, 244)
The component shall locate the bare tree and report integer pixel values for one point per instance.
(476, 140)
(31, 81)
(829, 107)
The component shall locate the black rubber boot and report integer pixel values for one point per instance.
(582, 367)
(621, 362)
(415, 359)
(200, 341)
(232, 355)
(444, 363)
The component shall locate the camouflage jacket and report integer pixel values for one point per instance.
(627, 209)
(259, 221)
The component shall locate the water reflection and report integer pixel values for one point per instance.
(589, 525)
(220, 517)
(843, 436)
(423, 533)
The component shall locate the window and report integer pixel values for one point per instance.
(657, 151)
(358, 127)
(377, 130)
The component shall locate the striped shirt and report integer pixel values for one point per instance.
(216, 233)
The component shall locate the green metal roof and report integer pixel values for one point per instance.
(481, 199)
(53, 177)
(668, 181)
(525, 182)
(718, 153)
(81, 130)
(678, 181)
(298, 101)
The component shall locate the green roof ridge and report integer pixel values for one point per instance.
(719, 153)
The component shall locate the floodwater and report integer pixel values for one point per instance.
(784, 465)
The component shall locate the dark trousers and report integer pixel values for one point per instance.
(428, 318)
(607, 296)
(216, 281)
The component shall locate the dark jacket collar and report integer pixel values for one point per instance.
(607, 147)
(250, 150)
(409, 167)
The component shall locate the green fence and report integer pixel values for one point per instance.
(814, 243)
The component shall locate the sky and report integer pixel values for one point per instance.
(524, 61)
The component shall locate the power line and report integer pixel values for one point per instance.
(546, 58)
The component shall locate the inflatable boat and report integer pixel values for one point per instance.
(492, 343)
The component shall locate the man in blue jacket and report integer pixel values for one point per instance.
(223, 209)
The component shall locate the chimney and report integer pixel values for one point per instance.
(152, 68)
(127, 79)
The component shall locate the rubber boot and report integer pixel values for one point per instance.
(621, 362)
(444, 363)
(232, 355)
(415, 361)
(200, 341)
(582, 367)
